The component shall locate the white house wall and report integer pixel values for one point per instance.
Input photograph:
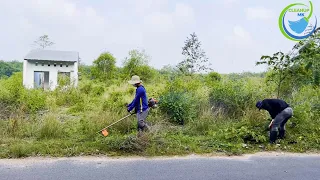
(30, 67)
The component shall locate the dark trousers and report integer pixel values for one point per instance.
(141, 117)
(279, 123)
(281, 119)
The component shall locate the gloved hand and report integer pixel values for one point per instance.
(270, 125)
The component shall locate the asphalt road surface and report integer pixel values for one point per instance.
(256, 167)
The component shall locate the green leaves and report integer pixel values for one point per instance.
(195, 57)
(137, 64)
(179, 106)
(104, 67)
(8, 68)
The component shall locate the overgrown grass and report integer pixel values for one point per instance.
(218, 116)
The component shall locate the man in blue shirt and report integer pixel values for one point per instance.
(139, 103)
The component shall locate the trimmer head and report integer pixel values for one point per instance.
(104, 132)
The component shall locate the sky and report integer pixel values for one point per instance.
(233, 33)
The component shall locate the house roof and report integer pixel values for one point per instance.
(52, 55)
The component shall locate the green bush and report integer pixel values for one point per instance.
(305, 104)
(98, 90)
(179, 106)
(12, 88)
(33, 100)
(86, 87)
(244, 132)
(188, 84)
(212, 78)
(234, 98)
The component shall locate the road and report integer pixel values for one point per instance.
(251, 167)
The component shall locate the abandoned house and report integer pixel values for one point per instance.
(43, 68)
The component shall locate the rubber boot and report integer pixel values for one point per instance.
(282, 134)
(273, 136)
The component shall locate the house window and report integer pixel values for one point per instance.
(55, 65)
(60, 65)
(48, 64)
(67, 65)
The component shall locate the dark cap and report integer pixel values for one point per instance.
(259, 104)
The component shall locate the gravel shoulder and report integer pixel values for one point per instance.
(36, 160)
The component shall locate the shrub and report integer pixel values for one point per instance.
(212, 77)
(179, 106)
(233, 98)
(185, 83)
(86, 87)
(243, 134)
(12, 88)
(98, 90)
(33, 100)
(305, 104)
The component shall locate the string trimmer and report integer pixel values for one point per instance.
(105, 132)
(152, 103)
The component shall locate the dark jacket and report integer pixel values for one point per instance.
(140, 102)
(274, 106)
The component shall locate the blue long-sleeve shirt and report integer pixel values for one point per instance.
(140, 102)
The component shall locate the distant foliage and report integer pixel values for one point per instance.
(104, 67)
(195, 57)
(137, 64)
(212, 78)
(8, 68)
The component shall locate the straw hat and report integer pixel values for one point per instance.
(135, 80)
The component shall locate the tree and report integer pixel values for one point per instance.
(280, 65)
(104, 66)
(137, 64)
(9, 68)
(136, 58)
(44, 41)
(195, 57)
(309, 55)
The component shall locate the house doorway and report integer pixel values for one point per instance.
(41, 80)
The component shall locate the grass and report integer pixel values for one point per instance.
(78, 137)
(65, 123)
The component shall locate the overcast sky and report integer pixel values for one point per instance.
(234, 33)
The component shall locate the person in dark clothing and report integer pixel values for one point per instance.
(139, 103)
(280, 113)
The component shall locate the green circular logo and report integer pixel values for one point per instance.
(297, 21)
